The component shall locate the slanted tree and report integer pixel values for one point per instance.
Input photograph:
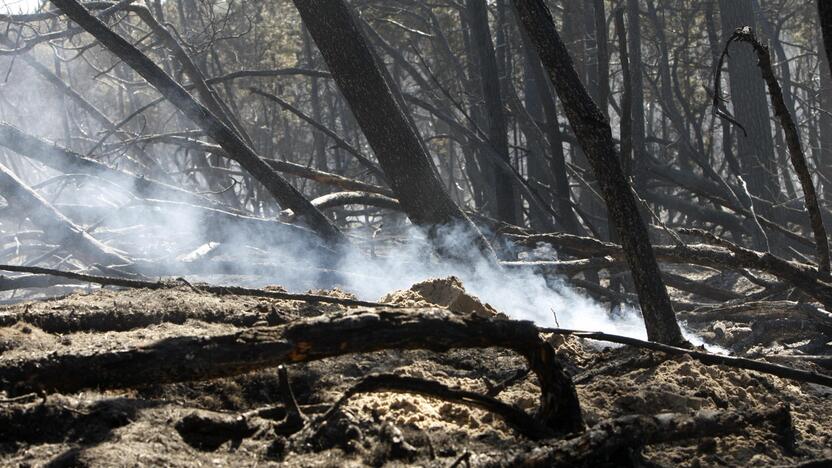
(225, 136)
(379, 109)
(594, 134)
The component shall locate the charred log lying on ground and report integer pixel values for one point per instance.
(197, 358)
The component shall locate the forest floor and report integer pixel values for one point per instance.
(159, 425)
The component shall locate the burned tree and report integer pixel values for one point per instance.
(200, 115)
(593, 132)
(379, 108)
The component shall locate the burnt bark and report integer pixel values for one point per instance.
(825, 15)
(379, 109)
(197, 358)
(593, 132)
(494, 113)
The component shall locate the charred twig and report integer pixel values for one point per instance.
(703, 357)
(516, 377)
(295, 419)
(219, 290)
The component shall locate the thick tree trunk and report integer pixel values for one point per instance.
(284, 193)
(383, 119)
(593, 132)
(557, 159)
(318, 140)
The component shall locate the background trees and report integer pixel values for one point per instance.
(455, 119)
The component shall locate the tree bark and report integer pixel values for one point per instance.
(593, 131)
(383, 119)
(198, 358)
(825, 15)
(748, 97)
(477, 13)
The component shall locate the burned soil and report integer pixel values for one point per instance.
(244, 421)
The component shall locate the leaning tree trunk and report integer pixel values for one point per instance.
(595, 136)
(213, 126)
(781, 111)
(379, 110)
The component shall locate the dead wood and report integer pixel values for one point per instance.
(287, 167)
(604, 443)
(281, 190)
(796, 155)
(67, 161)
(295, 419)
(380, 110)
(370, 165)
(800, 275)
(703, 357)
(219, 290)
(63, 321)
(199, 358)
(57, 227)
(339, 199)
(592, 129)
(759, 310)
(32, 281)
(514, 417)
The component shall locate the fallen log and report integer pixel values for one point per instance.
(200, 358)
(603, 444)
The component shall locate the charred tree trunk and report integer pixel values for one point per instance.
(595, 136)
(748, 96)
(798, 159)
(383, 119)
(637, 133)
(557, 159)
(495, 117)
(281, 190)
(825, 14)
